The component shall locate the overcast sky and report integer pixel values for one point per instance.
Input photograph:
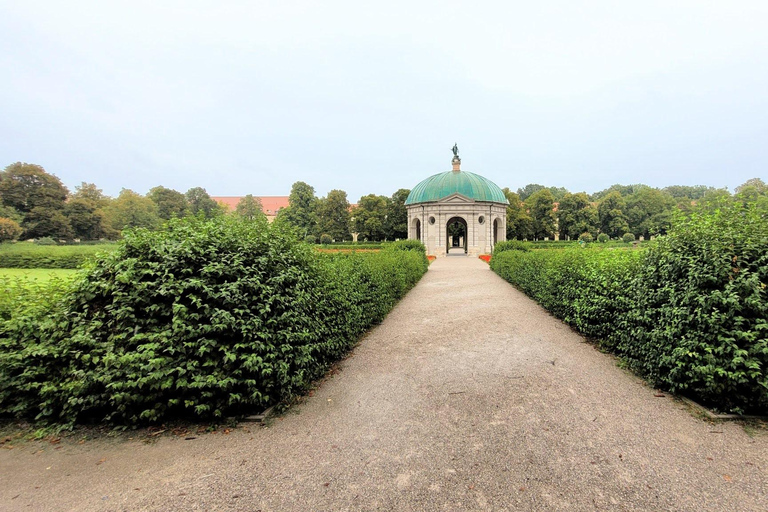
(250, 96)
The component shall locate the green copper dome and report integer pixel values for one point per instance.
(465, 183)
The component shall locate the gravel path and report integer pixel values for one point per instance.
(467, 397)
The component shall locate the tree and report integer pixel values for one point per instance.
(46, 221)
(532, 188)
(200, 203)
(540, 207)
(397, 216)
(250, 208)
(519, 223)
(649, 212)
(755, 184)
(90, 192)
(9, 229)
(25, 187)
(623, 190)
(610, 211)
(333, 215)
(170, 203)
(302, 208)
(131, 210)
(86, 219)
(576, 216)
(369, 217)
(8, 212)
(687, 192)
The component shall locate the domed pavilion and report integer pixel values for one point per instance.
(457, 211)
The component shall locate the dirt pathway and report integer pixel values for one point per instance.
(468, 397)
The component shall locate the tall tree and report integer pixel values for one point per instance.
(250, 208)
(200, 203)
(131, 210)
(25, 187)
(649, 212)
(575, 216)
(90, 192)
(397, 216)
(302, 208)
(540, 207)
(170, 203)
(519, 223)
(333, 215)
(532, 188)
(86, 219)
(613, 221)
(9, 229)
(370, 216)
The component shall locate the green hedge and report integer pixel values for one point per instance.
(204, 320)
(689, 313)
(30, 255)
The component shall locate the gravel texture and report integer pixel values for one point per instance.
(468, 396)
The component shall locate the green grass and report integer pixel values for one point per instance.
(41, 275)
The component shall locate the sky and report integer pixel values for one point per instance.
(245, 97)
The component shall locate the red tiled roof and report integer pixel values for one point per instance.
(269, 204)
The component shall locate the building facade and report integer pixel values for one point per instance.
(457, 211)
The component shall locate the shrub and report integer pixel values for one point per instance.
(205, 319)
(510, 245)
(46, 240)
(603, 238)
(9, 229)
(310, 239)
(326, 239)
(628, 238)
(29, 255)
(586, 238)
(407, 245)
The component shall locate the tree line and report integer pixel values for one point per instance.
(36, 204)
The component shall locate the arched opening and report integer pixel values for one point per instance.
(495, 231)
(456, 234)
(417, 229)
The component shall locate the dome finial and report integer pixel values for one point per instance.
(456, 161)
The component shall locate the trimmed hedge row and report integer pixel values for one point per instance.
(689, 313)
(203, 320)
(30, 255)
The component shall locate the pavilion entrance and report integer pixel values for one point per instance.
(456, 235)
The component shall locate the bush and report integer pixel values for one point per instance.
(203, 320)
(603, 238)
(46, 240)
(407, 245)
(29, 255)
(310, 239)
(9, 230)
(510, 245)
(326, 239)
(688, 313)
(628, 238)
(586, 238)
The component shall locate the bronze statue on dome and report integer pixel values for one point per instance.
(455, 150)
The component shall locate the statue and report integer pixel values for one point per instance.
(455, 150)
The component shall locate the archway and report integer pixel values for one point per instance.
(456, 234)
(416, 230)
(496, 226)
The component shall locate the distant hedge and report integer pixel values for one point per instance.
(30, 255)
(689, 313)
(203, 320)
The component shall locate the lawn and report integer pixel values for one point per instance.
(41, 275)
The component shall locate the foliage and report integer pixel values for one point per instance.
(510, 245)
(649, 212)
(27, 186)
(201, 204)
(688, 313)
(603, 238)
(540, 208)
(46, 240)
(586, 237)
(519, 223)
(613, 221)
(370, 217)
(86, 219)
(576, 215)
(628, 238)
(302, 208)
(396, 226)
(250, 208)
(530, 189)
(131, 210)
(325, 238)
(35, 255)
(310, 239)
(202, 320)
(333, 215)
(170, 203)
(407, 245)
(9, 230)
